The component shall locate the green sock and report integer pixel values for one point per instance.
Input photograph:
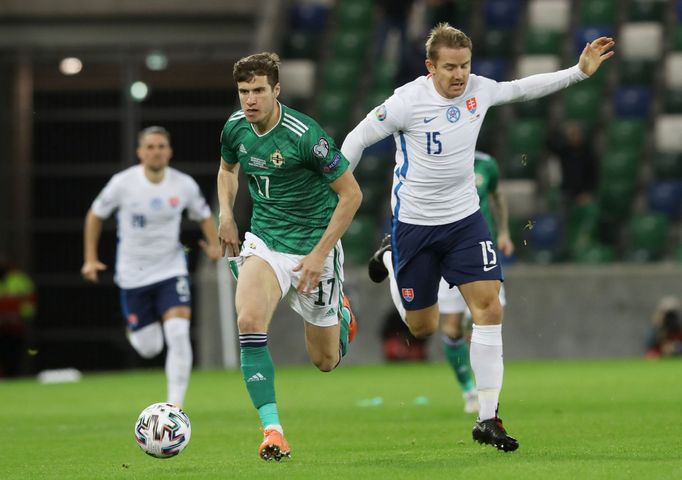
(343, 337)
(457, 354)
(258, 372)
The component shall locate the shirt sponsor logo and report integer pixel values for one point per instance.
(452, 114)
(277, 159)
(408, 294)
(321, 148)
(333, 164)
(380, 113)
(471, 105)
(257, 162)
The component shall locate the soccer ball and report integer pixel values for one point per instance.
(162, 430)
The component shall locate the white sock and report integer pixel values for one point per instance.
(178, 358)
(487, 364)
(393, 285)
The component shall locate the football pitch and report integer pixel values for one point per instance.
(574, 420)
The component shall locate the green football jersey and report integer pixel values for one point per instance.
(289, 169)
(487, 177)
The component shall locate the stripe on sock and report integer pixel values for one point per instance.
(253, 339)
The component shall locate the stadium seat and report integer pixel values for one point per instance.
(667, 138)
(594, 254)
(665, 196)
(646, 11)
(672, 101)
(384, 75)
(582, 102)
(350, 44)
(677, 38)
(490, 67)
(536, 108)
(678, 9)
(647, 237)
(527, 136)
(668, 165)
(586, 34)
(615, 198)
(360, 239)
(300, 44)
(641, 41)
(637, 72)
(298, 76)
(546, 233)
(341, 75)
(673, 70)
(543, 42)
(619, 163)
(376, 97)
(354, 14)
(308, 16)
(632, 101)
(627, 134)
(334, 110)
(581, 226)
(527, 65)
(553, 15)
(501, 13)
(495, 42)
(598, 12)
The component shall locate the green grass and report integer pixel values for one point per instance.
(574, 420)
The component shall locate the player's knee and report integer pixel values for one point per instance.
(488, 313)
(423, 330)
(325, 363)
(148, 341)
(249, 322)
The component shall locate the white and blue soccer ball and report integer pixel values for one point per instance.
(162, 430)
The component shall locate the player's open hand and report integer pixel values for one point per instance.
(594, 53)
(211, 250)
(505, 244)
(90, 270)
(311, 269)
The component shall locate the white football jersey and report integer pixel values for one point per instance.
(435, 137)
(149, 216)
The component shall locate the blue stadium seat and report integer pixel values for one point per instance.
(588, 33)
(501, 13)
(546, 233)
(665, 196)
(308, 17)
(490, 67)
(632, 101)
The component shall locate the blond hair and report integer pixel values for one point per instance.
(445, 35)
(154, 129)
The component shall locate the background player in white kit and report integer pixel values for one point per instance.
(151, 268)
(438, 230)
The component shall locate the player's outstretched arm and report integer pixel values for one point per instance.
(228, 183)
(91, 233)
(595, 53)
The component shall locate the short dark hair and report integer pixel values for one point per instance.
(265, 63)
(154, 129)
(445, 35)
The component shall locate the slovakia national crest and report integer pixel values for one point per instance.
(173, 201)
(408, 294)
(471, 105)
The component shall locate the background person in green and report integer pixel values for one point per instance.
(304, 197)
(451, 304)
(17, 308)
